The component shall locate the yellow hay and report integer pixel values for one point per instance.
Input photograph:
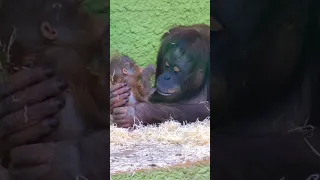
(190, 141)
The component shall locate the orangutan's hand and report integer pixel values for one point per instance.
(28, 100)
(49, 161)
(149, 71)
(84, 159)
(119, 95)
(124, 116)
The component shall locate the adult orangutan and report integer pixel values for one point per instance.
(182, 81)
(54, 102)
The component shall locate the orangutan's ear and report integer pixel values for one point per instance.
(124, 71)
(48, 31)
(215, 24)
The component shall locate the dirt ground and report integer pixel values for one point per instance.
(153, 147)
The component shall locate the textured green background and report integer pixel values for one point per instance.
(197, 172)
(136, 26)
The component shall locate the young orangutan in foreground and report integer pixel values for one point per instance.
(124, 69)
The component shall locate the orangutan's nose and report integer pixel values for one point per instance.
(167, 77)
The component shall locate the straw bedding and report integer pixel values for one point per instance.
(169, 144)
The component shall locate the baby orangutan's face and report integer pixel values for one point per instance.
(127, 69)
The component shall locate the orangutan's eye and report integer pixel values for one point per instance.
(176, 69)
(167, 64)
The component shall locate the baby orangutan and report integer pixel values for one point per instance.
(124, 69)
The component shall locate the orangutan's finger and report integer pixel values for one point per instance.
(117, 86)
(123, 90)
(23, 79)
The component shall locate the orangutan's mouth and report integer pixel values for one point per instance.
(164, 94)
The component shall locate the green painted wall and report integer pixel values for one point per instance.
(136, 26)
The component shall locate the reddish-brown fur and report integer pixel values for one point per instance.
(124, 69)
(71, 58)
